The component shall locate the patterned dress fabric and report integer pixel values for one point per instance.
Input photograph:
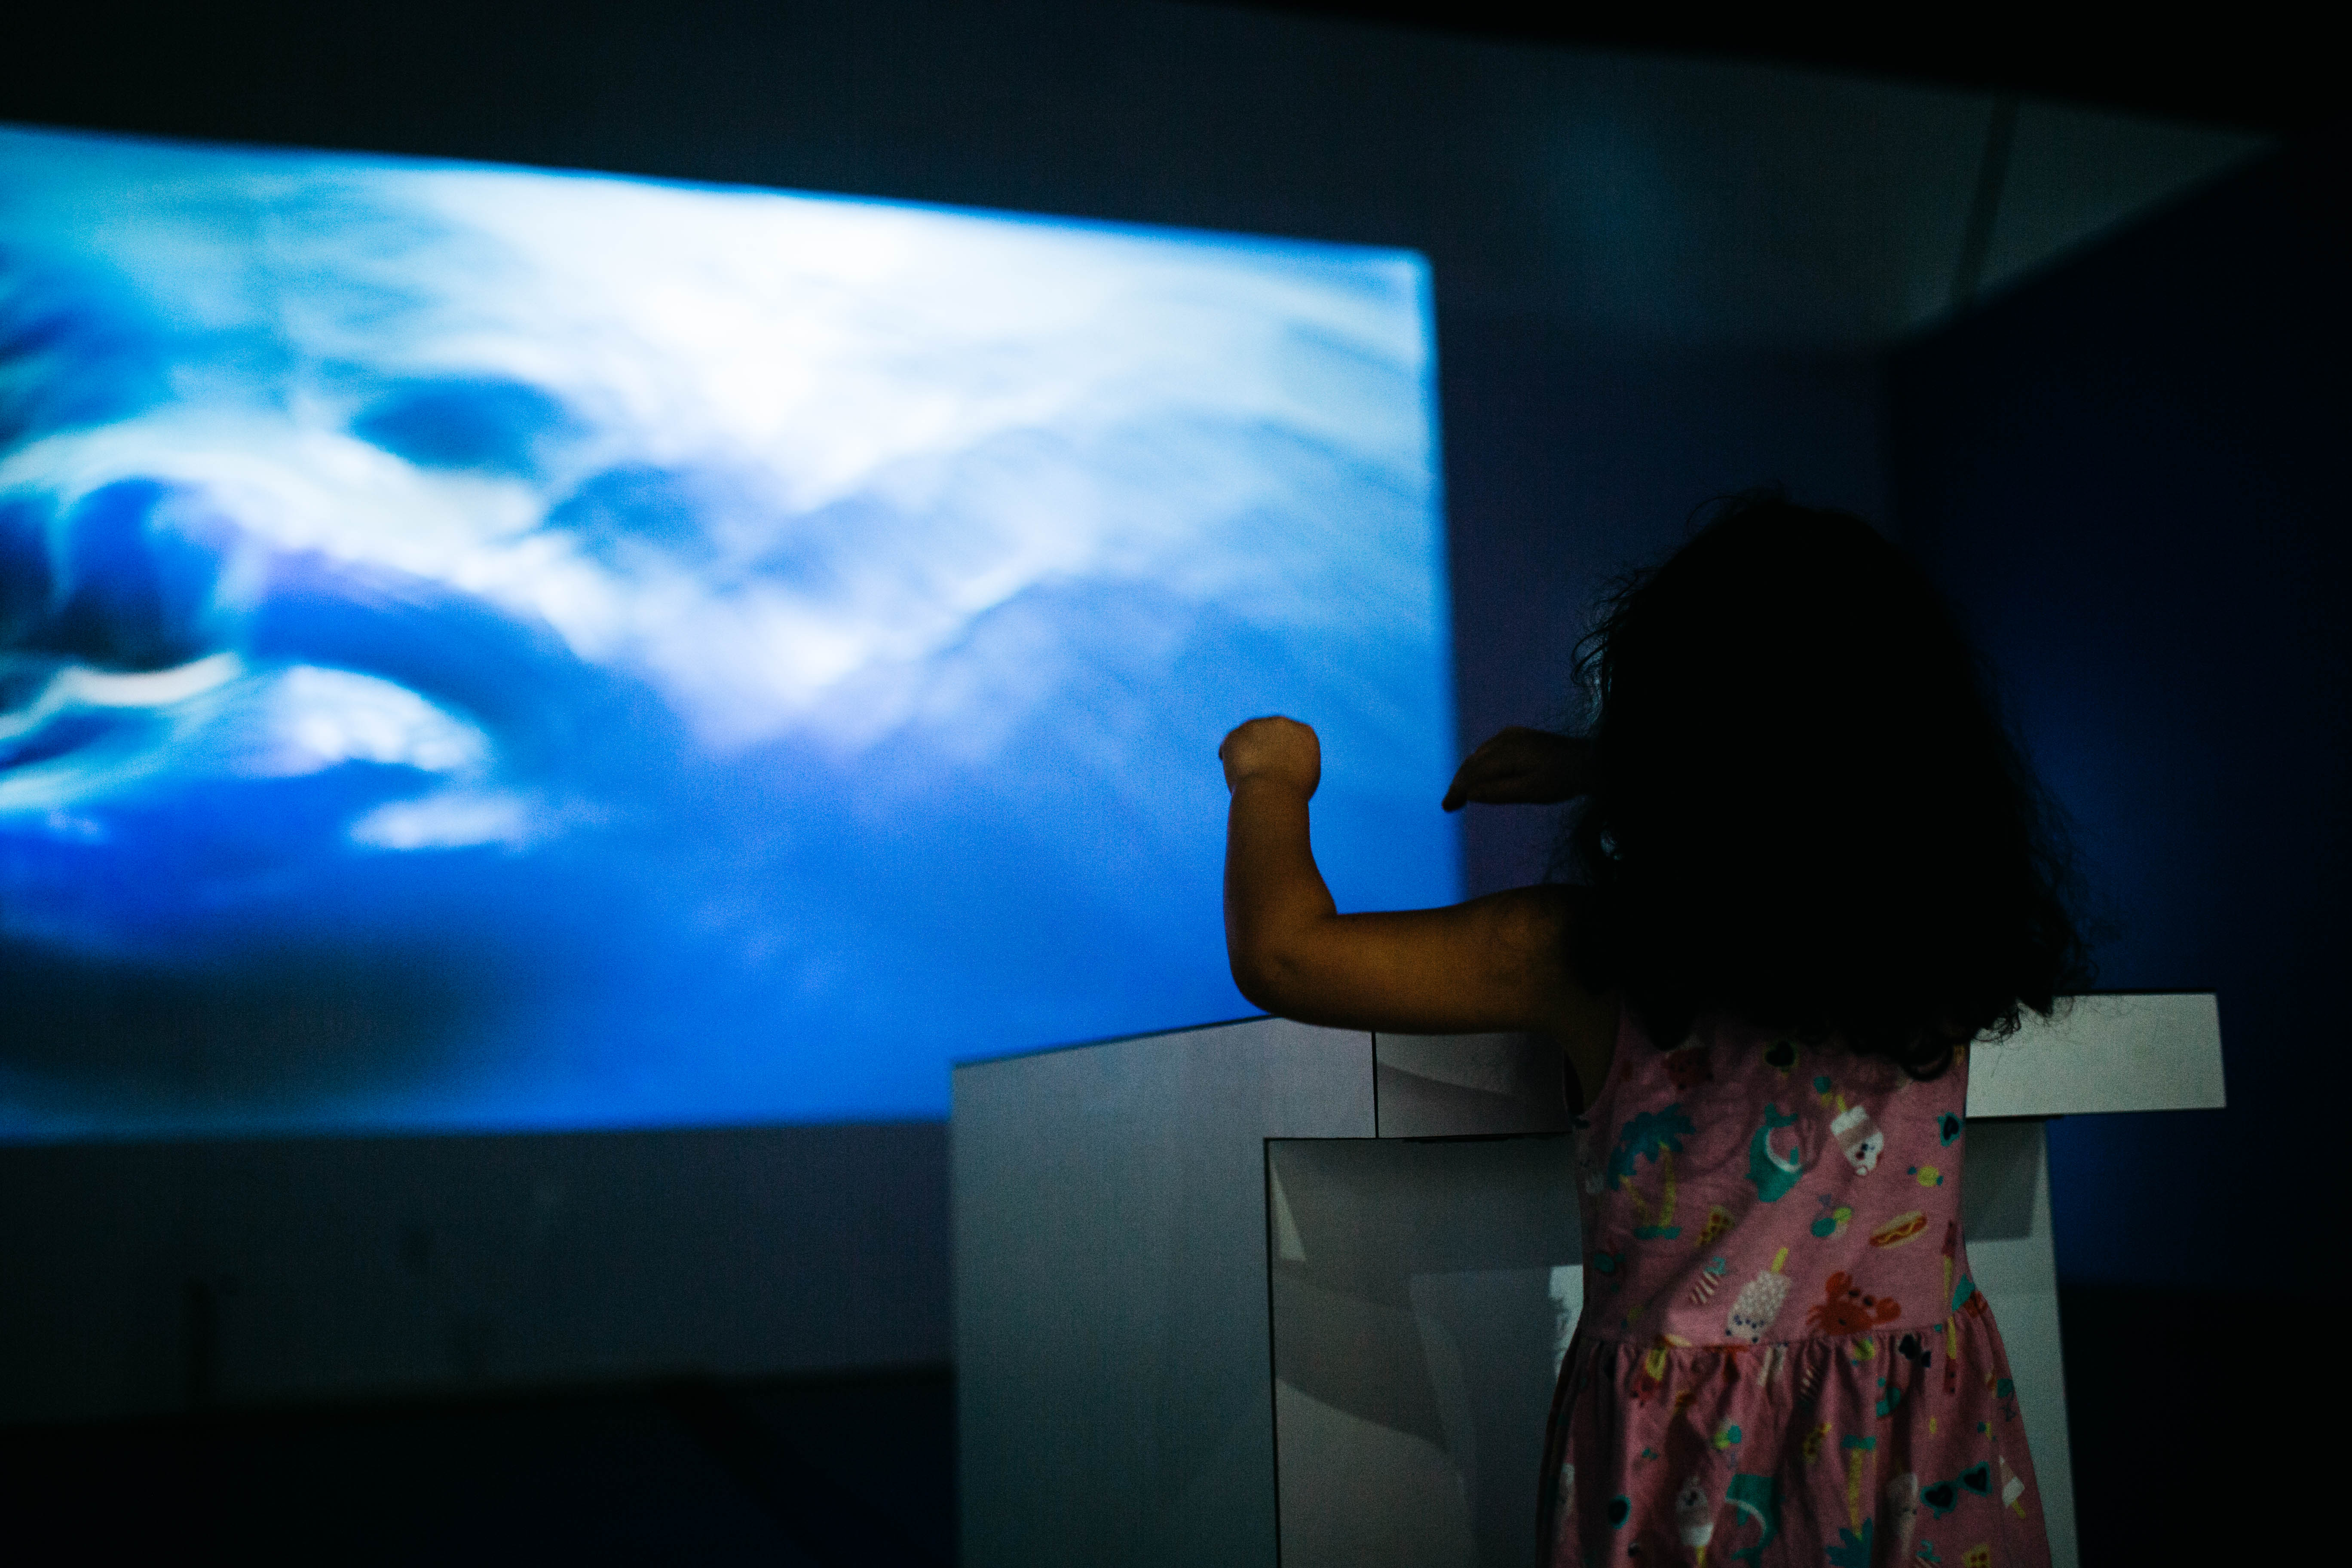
(1782, 1358)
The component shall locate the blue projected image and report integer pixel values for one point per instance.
(485, 649)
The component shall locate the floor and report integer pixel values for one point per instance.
(785, 1473)
(2200, 1436)
(2170, 1448)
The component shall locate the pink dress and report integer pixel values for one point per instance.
(1782, 1358)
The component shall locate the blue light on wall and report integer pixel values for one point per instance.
(484, 648)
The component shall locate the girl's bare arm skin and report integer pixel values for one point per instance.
(1497, 964)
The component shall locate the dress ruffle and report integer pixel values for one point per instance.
(1895, 1447)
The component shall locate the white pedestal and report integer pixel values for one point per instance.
(1261, 1292)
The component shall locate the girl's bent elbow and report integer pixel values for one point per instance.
(1252, 985)
(1260, 981)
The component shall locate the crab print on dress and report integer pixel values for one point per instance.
(1772, 1366)
(1846, 1311)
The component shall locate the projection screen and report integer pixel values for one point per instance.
(487, 648)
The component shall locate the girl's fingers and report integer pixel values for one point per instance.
(1514, 766)
(1491, 786)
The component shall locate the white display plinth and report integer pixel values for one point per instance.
(1264, 1292)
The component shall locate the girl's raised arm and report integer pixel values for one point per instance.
(1499, 962)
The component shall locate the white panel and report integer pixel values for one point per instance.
(2005, 1198)
(2109, 1052)
(2117, 1051)
(1110, 1289)
(1398, 1353)
(1357, 1493)
(1415, 1339)
(1118, 1207)
(1452, 1086)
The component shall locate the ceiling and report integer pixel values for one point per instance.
(2265, 70)
(1675, 194)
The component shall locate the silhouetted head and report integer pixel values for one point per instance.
(1807, 812)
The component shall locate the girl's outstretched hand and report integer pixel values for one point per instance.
(1520, 766)
(1276, 747)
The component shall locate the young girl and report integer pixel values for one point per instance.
(1809, 869)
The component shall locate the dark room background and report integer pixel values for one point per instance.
(2085, 360)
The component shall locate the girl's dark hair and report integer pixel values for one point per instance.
(1807, 811)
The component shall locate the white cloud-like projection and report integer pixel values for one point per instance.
(449, 820)
(325, 717)
(659, 653)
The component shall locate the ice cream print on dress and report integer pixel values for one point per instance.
(1695, 1517)
(1903, 1505)
(1860, 1137)
(1758, 1302)
(2012, 1488)
(1581, 1134)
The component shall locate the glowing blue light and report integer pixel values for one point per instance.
(492, 649)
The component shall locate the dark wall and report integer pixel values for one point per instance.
(150, 1277)
(2129, 473)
